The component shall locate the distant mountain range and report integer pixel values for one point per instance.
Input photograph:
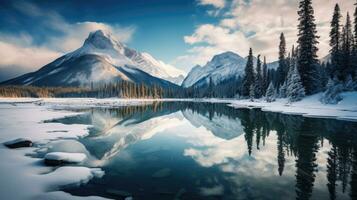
(222, 67)
(102, 59)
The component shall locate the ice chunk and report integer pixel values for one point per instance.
(69, 146)
(58, 158)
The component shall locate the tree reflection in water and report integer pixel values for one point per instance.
(297, 138)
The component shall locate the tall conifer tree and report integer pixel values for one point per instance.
(282, 69)
(335, 38)
(347, 44)
(259, 79)
(307, 41)
(265, 76)
(249, 75)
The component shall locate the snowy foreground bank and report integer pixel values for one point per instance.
(23, 172)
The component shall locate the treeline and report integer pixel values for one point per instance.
(225, 89)
(42, 92)
(300, 73)
(121, 89)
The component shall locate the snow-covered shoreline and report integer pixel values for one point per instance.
(23, 173)
(310, 106)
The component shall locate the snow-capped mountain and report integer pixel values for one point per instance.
(101, 59)
(221, 126)
(326, 59)
(222, 67)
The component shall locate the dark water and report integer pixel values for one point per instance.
(212, 151)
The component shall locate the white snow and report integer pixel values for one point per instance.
(66, 157)
(222, 67)
(69, 146)
(65, 196)
(105, 45)
(72, 175)
(54, 71)
(310, 106)
(79, 102)
(27, 174)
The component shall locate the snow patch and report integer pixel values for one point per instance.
(66, 157)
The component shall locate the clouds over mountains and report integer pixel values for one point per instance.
(24, 52)
(257, 24)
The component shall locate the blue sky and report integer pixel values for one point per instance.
(182, 33)
(160, 25)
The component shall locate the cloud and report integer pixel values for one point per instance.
(257, 24)
(216, 6)
(209, 40)
(12, 54)
(215, 3)
(74, 34)
(22, 51)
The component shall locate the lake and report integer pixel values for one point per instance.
(186, 150)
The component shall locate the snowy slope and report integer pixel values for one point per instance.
(222, 67)
(83, 70)
(116, 53)
(101, 59)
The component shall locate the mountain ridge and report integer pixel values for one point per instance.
(221, 67)
(101, 59)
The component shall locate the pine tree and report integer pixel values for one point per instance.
(335, 38)
(282, 69)
(252, 92)
(210, 89)
(249, 75)
(259, 80)
(282, 90)
(333, 91)
(307, 40)
(355, 44)
(265, 76)
(295, 89)
(270, 95)
(347, 44)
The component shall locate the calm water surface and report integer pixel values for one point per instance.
(212, 151)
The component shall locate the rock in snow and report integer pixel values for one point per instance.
(59, 158)
(18, 143)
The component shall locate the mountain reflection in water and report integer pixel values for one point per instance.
(186, 150)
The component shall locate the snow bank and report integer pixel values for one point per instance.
(78, 102)
(310, 106)
(72, 175)
(65, 196)
(64, 157)
(69, 146)
(27, 174)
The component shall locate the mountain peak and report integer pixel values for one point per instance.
(226, 56)
(101, 40)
